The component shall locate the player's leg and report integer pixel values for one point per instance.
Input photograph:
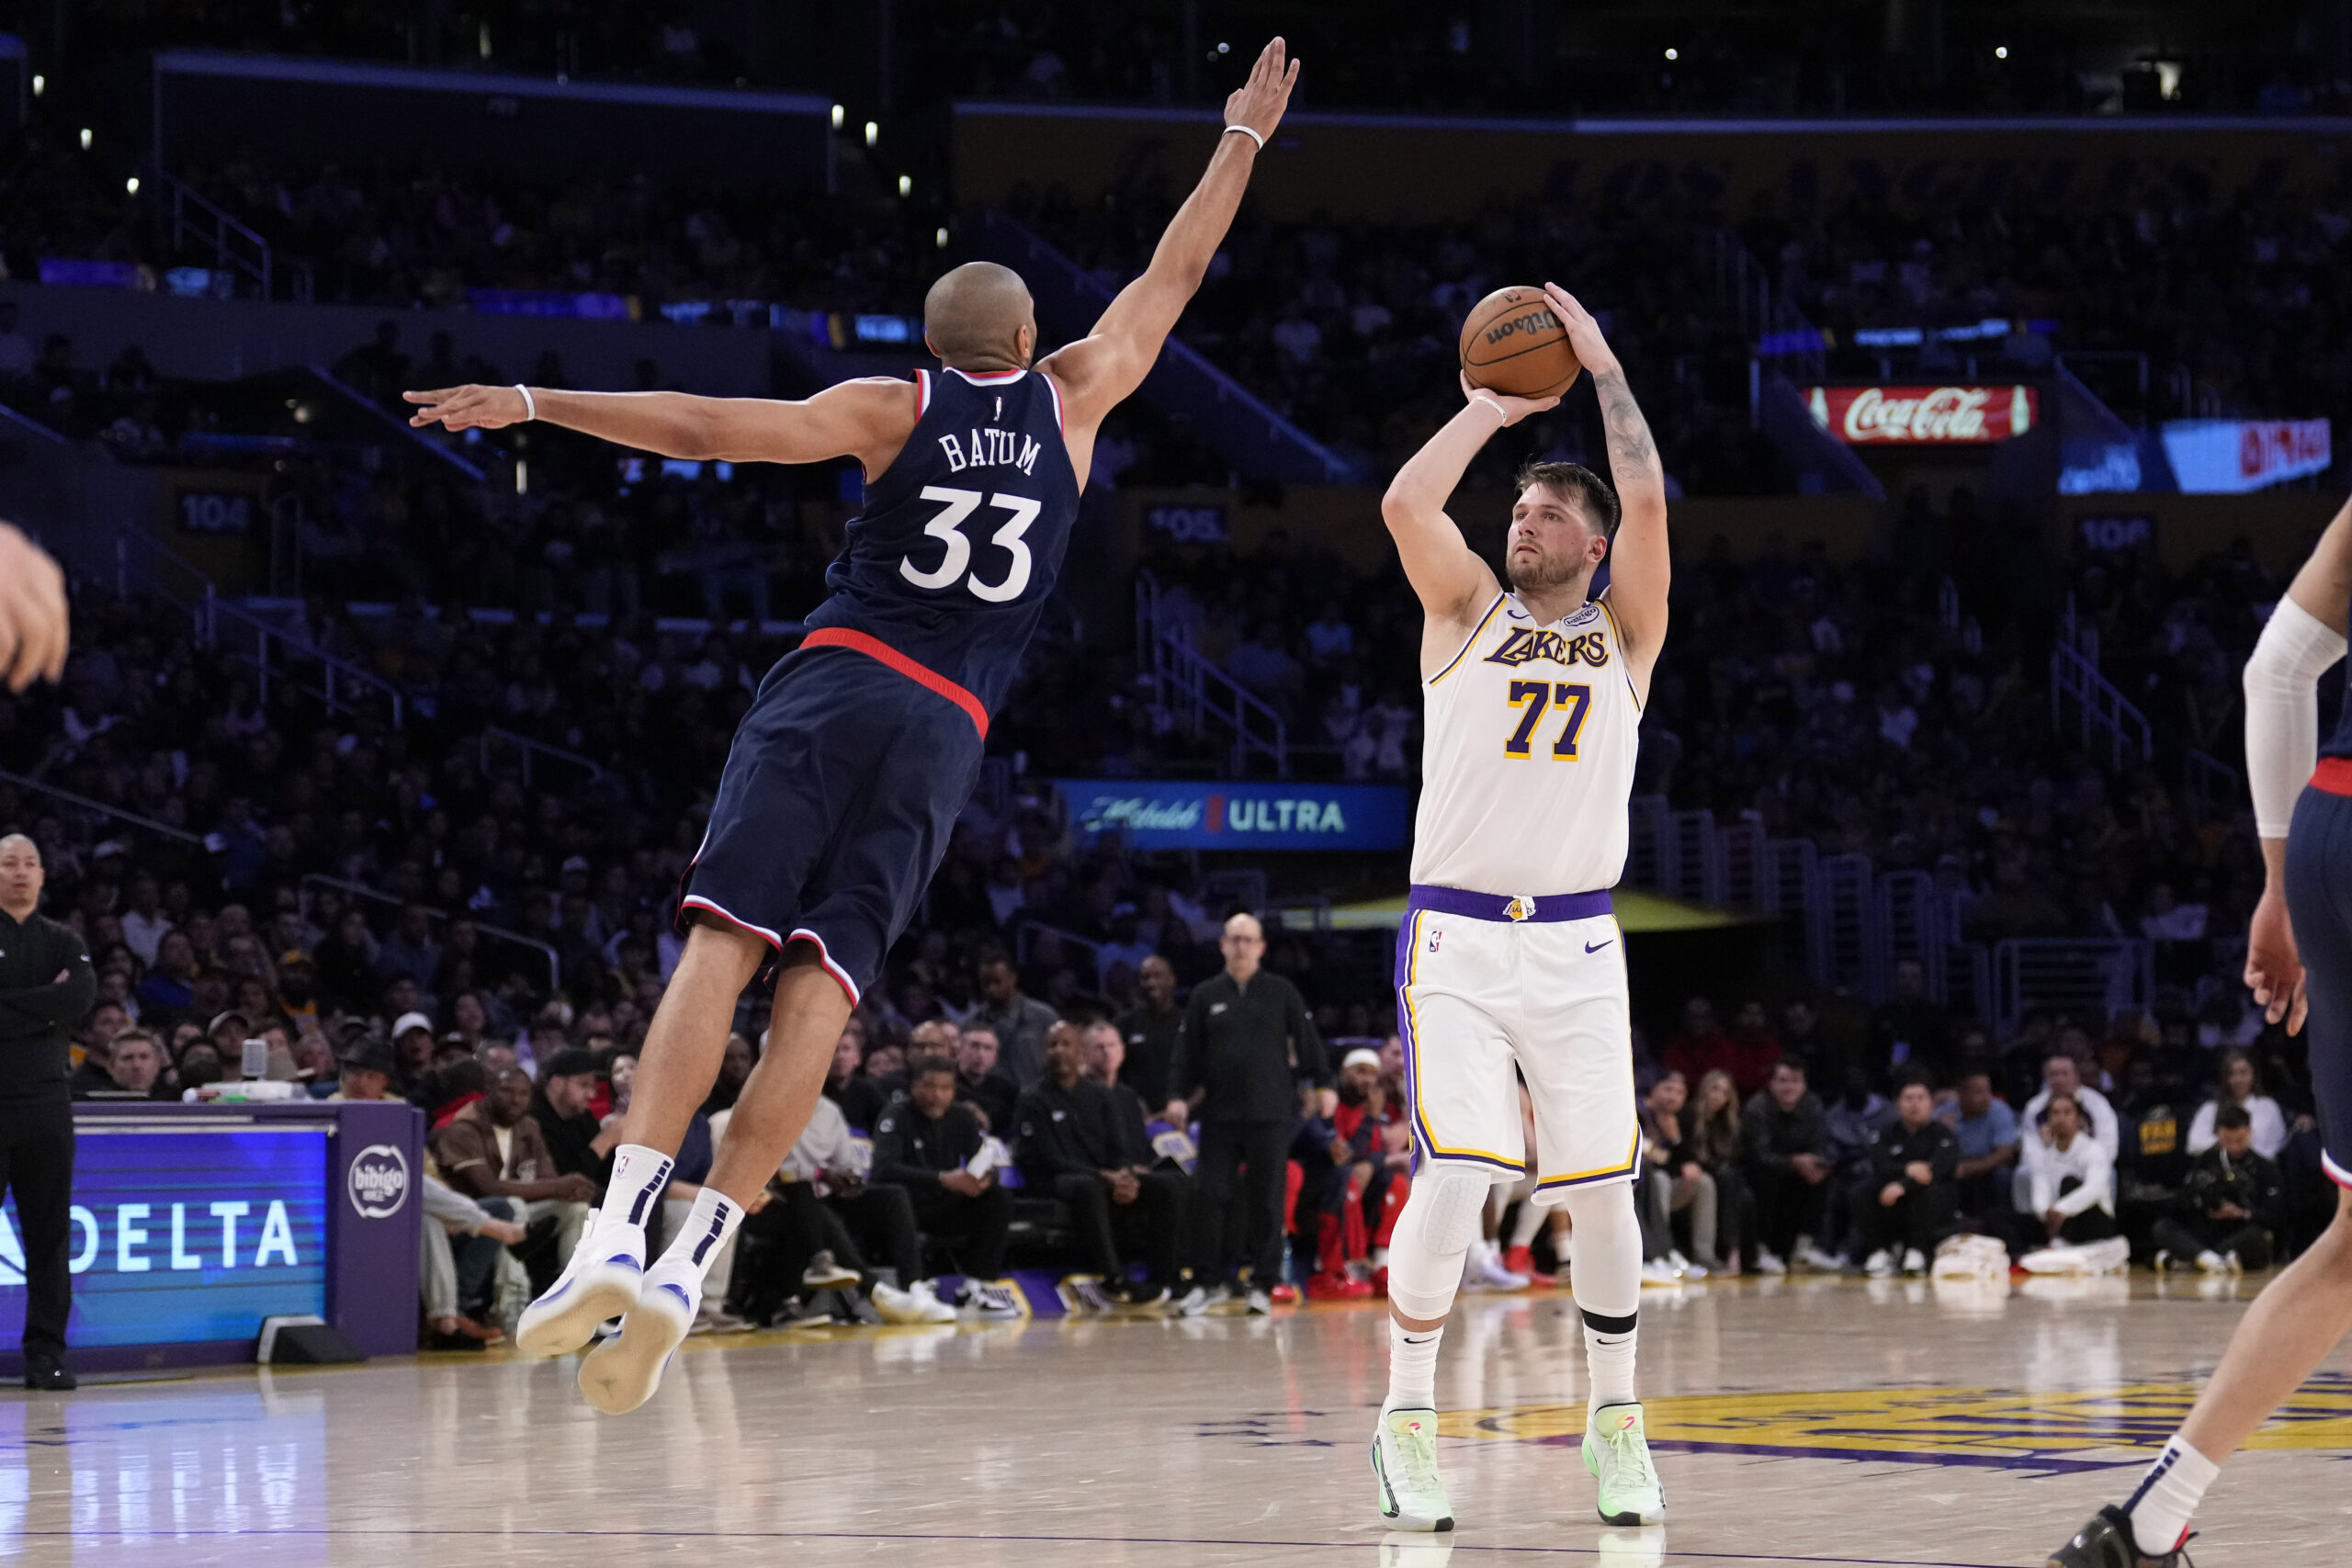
(605, 1276)
(1577, 1057)
(1464, 1103)
(2305, 1313)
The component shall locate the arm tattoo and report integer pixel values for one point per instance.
(1631, 450)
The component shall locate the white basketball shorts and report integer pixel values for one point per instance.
(1486, 984)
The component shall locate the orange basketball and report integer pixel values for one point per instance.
(1513, 343)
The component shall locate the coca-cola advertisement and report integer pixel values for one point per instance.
(1925, 416)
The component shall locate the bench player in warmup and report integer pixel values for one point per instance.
(2299, 964)
(863, 744)
(1509, 956)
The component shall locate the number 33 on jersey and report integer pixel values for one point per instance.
(962, 534)
(1557, 698)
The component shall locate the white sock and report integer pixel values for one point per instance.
(1412, 1368)
(709, 1223)
(639, 1176)
(1530, 1220)
(1609, 1359)
(2169, 1494)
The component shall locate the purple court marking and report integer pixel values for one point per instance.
(1038, 1539)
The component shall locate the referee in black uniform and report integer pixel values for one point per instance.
(1246, 1044)
(46, 986)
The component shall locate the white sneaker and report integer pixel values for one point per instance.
(899, 1306)
(603, 1280)
(1879, 1263)
(1685, 1268)
(1404, 1467)
(926, 1295)
(1487, 1273)
(824, 1274)
(2213, 1262)
(993, 1302)
(1914, 1260)
(623, 1372)
(1198, 1300)
(1768, 1262)
(1618, 1454)
(1257, 1303)
(1811, 1256)
(2231, 1261)
(1658, 1272)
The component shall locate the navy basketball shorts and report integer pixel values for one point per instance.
(2319, 901)
(835, 807)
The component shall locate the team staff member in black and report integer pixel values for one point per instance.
(1151, 1028)
(46, 985)
(1076, 1145)
(1246, 1044)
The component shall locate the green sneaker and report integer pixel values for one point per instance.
(1619, 1457)
(1404, 1463)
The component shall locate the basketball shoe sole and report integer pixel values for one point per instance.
(625, 1369)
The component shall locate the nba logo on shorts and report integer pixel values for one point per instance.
(1521, 908)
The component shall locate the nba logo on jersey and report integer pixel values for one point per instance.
(1522, 908)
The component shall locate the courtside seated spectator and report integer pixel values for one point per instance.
(846, 1084)
(577, 1142)
(494, 1152)
(1018, 1021)
(2070, 1177)
(824, 1196)
(1673, 1182)
(1078, 1144)
(2062, 1074)
(1787, 1167)
(930, 1145)
(134, 1067)
(979, 1084)
(2240, 1085)
(1702, 1046)
(2230, 1209)
(1910, 1201)
(1987, 1132)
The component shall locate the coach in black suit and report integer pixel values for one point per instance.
(46, 985)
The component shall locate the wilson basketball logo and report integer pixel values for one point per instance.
(1538, 321)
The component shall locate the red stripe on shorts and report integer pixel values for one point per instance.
(874, 648)
(2332, 775)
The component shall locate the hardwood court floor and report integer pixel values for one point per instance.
(1815, 1421)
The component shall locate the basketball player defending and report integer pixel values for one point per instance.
(1510, 955)
(863, 744)
(2299, 959)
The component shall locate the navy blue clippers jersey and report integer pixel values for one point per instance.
(963, 535)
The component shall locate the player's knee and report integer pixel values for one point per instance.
(1446, 1203)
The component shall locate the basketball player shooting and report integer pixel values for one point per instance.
(863, 744)
(1510, 955)
(2299, 965)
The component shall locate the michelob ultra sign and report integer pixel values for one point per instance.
(1924, 416)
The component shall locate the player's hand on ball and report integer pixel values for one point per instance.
(2273, 967)
(469, 408)
(1259, 103)
(1584, 333)
(1513, 409)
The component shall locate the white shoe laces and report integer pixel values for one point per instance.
(1415, 1447)
(1629, 1456)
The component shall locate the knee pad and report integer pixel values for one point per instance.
(1450, 1202)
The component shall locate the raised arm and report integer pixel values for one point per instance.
(1453, 583)
(1100, 369)
(2302, 638)
(868, 419)
(1640, 570)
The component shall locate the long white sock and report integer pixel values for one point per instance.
(709, 1223)
(1530, 1220)
(639, 1176)
(1412, 1368)
(1607, 1287)
(2169, 1494)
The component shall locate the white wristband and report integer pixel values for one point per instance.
(1248, 132)
(1501, 411)
(530, 404)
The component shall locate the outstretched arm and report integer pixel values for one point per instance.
(867, 418)
(1099, 370)
(2302, 638)
(1640, 570)
(1453, 584)
(33, 622)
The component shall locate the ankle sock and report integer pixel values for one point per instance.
(2167, 1496)
(1412, 1368)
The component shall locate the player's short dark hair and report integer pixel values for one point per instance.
(1580, 485)
(1915, 1075)
(2229, 1116)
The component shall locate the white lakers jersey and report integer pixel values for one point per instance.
(1527, 756)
